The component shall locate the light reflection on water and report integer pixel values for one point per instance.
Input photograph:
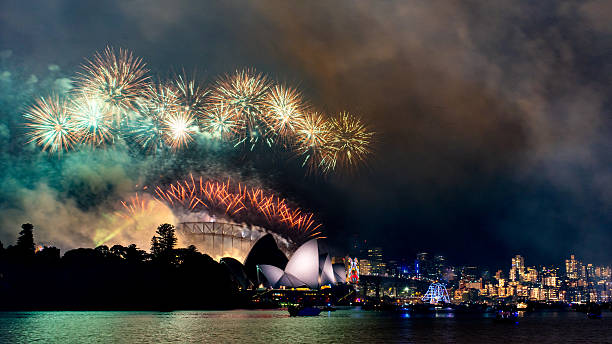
(273, 326)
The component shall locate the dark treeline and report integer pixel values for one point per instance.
(113, 278)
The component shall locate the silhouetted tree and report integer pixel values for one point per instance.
(134, 255)
(49, 254)
(25, 242)
(155, 247)
(104, 251)
(118, 251)
(167, 238)
(162, 245)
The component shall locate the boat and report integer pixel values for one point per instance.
(506, 315)
(593, 311)
(522, 306)
(328, 308)
(303, 311)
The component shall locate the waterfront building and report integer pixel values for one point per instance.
(378, 266)
(365, 267)
(517, 268)
(531, 275)
(573, 268)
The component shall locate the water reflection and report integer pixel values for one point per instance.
(274, 326)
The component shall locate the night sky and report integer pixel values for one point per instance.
(493, 120)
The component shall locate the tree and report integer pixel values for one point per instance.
(25, 242)
(162, 245)
(104, 251)
(118, 251)
(155, 247)
(134, 255)
(167, 238)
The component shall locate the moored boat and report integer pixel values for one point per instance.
(303, 311)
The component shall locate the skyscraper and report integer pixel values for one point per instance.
(573, 268)
(517, 268)
(375, 256)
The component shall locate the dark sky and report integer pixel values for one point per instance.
(492, 118)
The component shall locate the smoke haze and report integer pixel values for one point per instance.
(493, 118)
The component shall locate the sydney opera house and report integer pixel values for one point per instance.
(257, 258)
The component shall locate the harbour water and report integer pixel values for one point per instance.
(275, 326)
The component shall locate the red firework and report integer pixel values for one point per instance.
(251, 205)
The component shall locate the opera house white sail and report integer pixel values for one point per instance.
(308, 267)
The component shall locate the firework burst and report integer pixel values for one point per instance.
(117, 79)
(92, 120)
(179, 128)
(313, 136)
(221, 121)
(284, 111)
(349, 143)
(114, 98)
(137, 207)
(190, 94)
(50, 125)
(243, 204)
(148, 131)
(159, 100)
(245, 92)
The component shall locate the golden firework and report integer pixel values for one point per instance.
(190, 94)
(50, 124)
(313, 136)
(245, 92)
(284, 111)
(349, 143)
(221, 121)
(179, 128)
(116, 78)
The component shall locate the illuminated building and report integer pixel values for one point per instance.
(365, 268)
(573, 268)
(423, 265)
(517, 268)
(469, 273)
(436, 293)
(309, 266)
(375, 256)
(439, 267)
(353, 271)
(531, 275)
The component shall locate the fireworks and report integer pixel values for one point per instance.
(159, 101)
(91, 120)
(117, 79)
(249, 205)
(50, 125)
(221, 122)
(244, 92)
(114, 99)
(349, 143)
(284, 110)
(313, 136)
(148, 132)
(179, 128)
(136, 207)
(190, 95)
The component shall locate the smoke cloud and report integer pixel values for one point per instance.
(493, 118)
